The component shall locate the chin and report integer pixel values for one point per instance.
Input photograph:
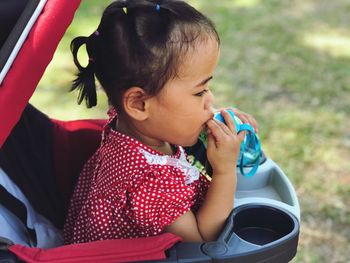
(189, 144)
(189, 141)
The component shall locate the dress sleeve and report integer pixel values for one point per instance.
(160, 198)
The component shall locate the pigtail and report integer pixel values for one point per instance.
(85, 81)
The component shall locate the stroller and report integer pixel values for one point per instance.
(41, 158)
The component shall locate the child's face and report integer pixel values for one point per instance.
(182, 108)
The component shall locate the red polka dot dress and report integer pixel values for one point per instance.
(129, 190)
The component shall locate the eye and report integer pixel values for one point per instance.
(201, 93)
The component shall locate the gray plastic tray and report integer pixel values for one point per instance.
(269, 186)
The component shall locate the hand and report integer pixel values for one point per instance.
(223, 144)
(244, 117)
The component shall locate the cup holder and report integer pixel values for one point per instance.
(261, 225)
(253, 233)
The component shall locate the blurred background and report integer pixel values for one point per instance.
(288, 64)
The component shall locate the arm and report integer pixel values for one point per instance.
(222, 153)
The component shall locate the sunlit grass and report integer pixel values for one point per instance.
(336, 45)
(227, 3)
(53, 95)
(246, 3)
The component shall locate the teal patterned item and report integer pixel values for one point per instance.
(250, 149)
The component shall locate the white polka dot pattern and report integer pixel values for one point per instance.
(120, 195)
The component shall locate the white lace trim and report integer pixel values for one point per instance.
(191, 173)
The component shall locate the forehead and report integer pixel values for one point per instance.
(200, 59)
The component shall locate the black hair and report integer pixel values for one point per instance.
(138, 43)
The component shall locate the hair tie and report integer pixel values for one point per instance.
(157, 7)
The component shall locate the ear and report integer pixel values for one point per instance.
(135, 103)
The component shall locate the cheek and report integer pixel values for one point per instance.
(181, 107)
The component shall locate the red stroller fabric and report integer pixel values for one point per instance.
(32, 60)
(70, 148)
(122, 250)
(17, 88)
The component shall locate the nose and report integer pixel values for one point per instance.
(209, 100)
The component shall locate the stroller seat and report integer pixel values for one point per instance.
(47, 155)
(43, 158)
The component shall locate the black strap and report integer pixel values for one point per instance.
(18, 209)
(27, 159)
(7, 256)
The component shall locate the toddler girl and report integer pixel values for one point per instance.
(154, 59)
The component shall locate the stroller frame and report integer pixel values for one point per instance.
(264, 225)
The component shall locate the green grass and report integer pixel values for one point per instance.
(288, 64)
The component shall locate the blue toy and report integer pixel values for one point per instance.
(250, 150)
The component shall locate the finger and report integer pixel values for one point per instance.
(241, 136)
(247, 118)
(252, 121)
(224, 126)
(213, 133)
(211, 140)
(214, 127)
(241, 115)
(218, 129)
(229, 121)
